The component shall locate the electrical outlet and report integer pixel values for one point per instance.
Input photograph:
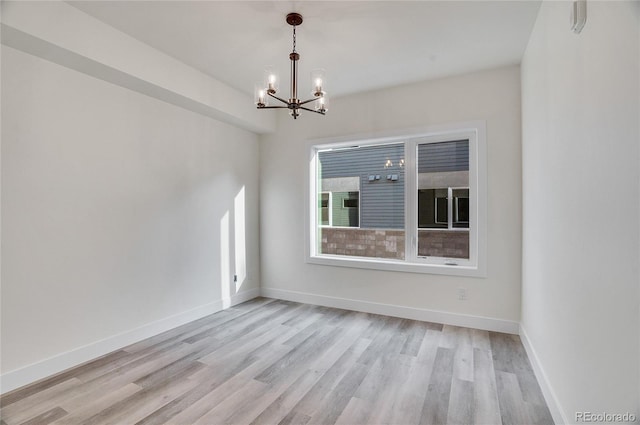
(462, 294)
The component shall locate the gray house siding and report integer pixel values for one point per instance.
(382, 199)
(445, 156)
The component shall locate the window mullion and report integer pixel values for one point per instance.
(449, 208)
(411, 201)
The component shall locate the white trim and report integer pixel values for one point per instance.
(63, 361)
(550, 397)
(455, 319)
(393, 136)
(396, 265)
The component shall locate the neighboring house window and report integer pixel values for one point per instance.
(324, 206)
(345, 209)
(414, 203)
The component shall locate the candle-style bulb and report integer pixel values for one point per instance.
(322, 104)
(259, 95)
(318, 82)
(271, 79)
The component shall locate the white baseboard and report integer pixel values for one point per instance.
(549, 395)
(456, 319)
(56, 364)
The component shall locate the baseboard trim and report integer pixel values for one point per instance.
(37, 371)
(547, 390)
(456, 319)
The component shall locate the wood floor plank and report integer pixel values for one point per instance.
(236, 402)
(241, 324)
(82, 393)
(36, 404)
(301, 378)
(385, 366)
(140, 404)
(509, 354)
(463, 359)
(486, 406)
(336, 400)
(408, 409)
(256, 339)
(217, 382)
(295, 418)
(460, 403)
(512, 407)
(80, 413)
(480, 339)
(197, 326)
(273, 405)
(459, 340)
(279, 362)
(303, 352)
(357, 411)
(203, 398)
(47, 417)
(302, 314)
(387, 403)
(311, 386)
(436, 404)
(381, 339)
(22, 393)
(320, 392)
(122, 376)
(415, 335)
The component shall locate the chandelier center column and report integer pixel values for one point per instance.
(294, 77)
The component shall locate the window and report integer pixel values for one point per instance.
(351, 201)
(410, 203)
(324, 204)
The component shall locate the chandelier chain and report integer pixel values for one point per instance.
(294, 39)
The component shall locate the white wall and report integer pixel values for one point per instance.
(581, 206)
(118, 210)
(493, 96)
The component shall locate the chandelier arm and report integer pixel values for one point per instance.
(310, 100)
(273, 107)
(278, 98)
(312, 110)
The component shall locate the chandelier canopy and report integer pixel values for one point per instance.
(269, 87)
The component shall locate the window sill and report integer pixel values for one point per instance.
(398, 266)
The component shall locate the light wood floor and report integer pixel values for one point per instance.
(276, 362)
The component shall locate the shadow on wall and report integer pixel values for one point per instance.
(240, 253)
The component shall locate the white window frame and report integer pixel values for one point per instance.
(476, 265)
(456, 208)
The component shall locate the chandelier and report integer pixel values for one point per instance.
(269, 88)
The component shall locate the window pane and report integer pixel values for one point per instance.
(367, 201)
(443, 199)
(461, 208)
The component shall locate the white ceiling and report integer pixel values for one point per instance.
(363, 45)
